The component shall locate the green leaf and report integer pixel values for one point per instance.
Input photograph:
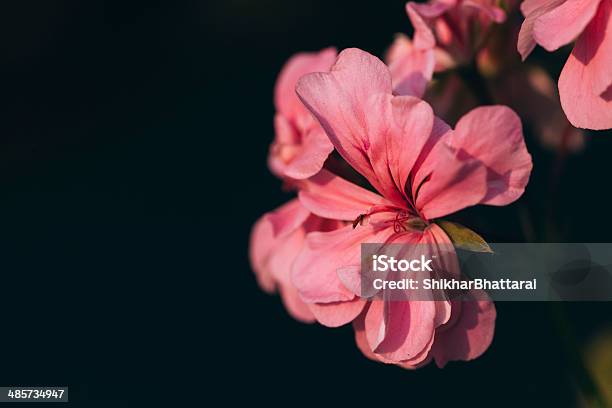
(464, 238)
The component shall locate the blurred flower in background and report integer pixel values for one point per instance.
(300, 145)
(585, 84)
(455, 29)
(495, 74)
(411, 67)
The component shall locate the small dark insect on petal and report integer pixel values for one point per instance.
(358, 220)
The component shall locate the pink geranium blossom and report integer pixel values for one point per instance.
(276, 240)
(585, 83)
(422, 170)
(278, 236)
(456, 29)
(300, 146)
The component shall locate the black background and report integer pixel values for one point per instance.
(132, 165)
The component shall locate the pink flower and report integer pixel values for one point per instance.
(411, 68)
(585, 84)
(300, 146)
(456, 29)
(276, 240)
(422, 170)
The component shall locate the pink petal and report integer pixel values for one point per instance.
(285, 99)
(315, 149)
(352, 104)
(284, 253)
(288, 217)
(315, 271)
(350, 276)
(300, 147)
(361, 339)
(315, 223)
(446, 264)
(415, 120)
(330, 196)
(435, 245)
(531, 6)
(398, 331)
(585, 84)
(563, 24)
(411, 68)
(452, 184)
(400, 47)
(375, 324)
(286, 144)
(260, 247)
(422, 360)
(532, 10)
(440, 133)
(367, 125)
(286, 133)
(271, 259)
(403, 331)
(493, 136)
(337, 314)
(383, 132)
(418, 12)
(471, 334)
(276, 240)
(295, 306)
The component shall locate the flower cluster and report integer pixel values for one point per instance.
(363, 144)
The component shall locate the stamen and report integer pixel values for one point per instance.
(363, 218)
(405, 222)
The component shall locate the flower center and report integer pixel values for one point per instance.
(402, 221)
(407, 222)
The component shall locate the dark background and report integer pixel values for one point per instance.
(132, 165)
